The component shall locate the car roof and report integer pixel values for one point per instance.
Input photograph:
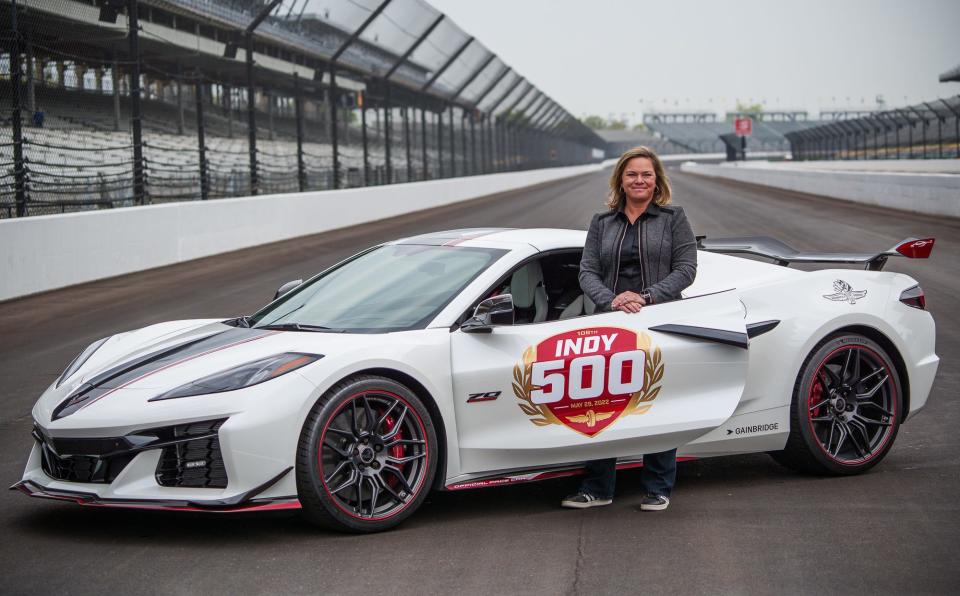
(540, 238)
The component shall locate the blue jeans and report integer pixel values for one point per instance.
(658, 476)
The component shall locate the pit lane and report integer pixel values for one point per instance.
(737, 524)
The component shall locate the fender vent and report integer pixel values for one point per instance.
(193, 463)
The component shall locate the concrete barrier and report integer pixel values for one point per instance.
(53, 251)
(916, 191)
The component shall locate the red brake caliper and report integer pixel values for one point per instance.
(816, 396)
(395, 451)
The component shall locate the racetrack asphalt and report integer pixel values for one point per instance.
(737, 525)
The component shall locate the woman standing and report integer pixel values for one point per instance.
(640, 252)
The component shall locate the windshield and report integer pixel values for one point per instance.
(390, 288)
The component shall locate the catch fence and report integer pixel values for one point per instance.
(132, 102)
(930, 130)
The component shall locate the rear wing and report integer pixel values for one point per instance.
(763, 246)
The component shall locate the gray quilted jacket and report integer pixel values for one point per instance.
(668, 252)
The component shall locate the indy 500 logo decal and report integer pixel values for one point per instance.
(587, 378)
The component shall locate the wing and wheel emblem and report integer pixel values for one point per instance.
(843, 292)
(590, 418)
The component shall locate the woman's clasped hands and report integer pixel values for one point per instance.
(628, 302)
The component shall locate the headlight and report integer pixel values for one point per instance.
(245, 375)
(80, 360)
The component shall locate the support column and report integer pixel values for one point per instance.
(363, 139)
(406, 135)
(387, 125)
(423, 143)
(886, 139)
(227, 92)
(463, 143)
(439, 143)
(298, 114)
(334, 100)
(115, 79)
(453, 147)
(473, 145)
(897, 124)
(180, 117)
(31, 90)
(252, 119)
(19, 171)
(80, 73)
(910, 138)
(487, 144)
(497, 144)
(201, 144)
(139, 183)
(924, 156)
(939, 137)
(271, 132)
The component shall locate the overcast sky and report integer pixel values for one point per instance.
(623, 57)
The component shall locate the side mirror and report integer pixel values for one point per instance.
(287, 287)
(492, 311)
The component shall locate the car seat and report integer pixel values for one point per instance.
(529, 294)
(581, 305)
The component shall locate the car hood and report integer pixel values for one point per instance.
(148, 362)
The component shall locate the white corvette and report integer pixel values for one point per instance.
(470, 358)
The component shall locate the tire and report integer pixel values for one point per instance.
(846, 408)
(367, 456)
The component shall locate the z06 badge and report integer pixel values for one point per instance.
(586, 379)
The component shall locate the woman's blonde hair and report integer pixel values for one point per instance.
(661, 193)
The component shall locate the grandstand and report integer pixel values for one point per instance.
(368, 92)
(694, 132)
(702, 132)
(619, 141)
(928, 130)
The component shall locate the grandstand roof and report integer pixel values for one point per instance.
(951, 76)
(616, 136)
(430, 60)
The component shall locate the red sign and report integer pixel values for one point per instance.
(743, 127)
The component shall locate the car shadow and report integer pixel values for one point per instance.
(95, 524)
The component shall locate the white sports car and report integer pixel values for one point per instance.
(470, 358)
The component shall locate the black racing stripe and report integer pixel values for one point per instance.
(124, 373)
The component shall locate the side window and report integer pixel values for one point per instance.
(545, 289)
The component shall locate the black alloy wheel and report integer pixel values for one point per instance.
(367, 456)
(846, 408)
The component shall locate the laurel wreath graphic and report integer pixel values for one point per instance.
(639, 401)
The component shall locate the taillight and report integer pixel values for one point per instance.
(914, 297)
(916, 249)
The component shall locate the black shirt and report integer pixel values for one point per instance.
(630, 274)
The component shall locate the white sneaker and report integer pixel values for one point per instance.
(582, 500)
(653, 502)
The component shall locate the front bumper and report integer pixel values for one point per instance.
(240, 458)
(31, 488)
(136, 477)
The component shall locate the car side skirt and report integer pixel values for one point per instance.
(528, 475)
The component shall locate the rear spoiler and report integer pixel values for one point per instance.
(763, 246)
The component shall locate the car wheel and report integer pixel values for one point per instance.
(367, 456)
(846, 408)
